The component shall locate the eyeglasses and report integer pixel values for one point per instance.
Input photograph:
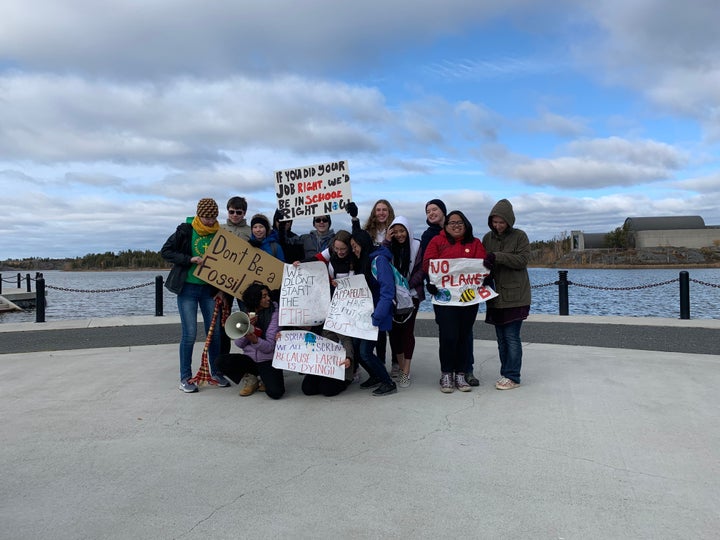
(238, 212)
(455, 224)
(321, 220)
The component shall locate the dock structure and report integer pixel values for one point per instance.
(16, 300)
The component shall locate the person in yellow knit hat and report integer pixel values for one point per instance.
(185, 249)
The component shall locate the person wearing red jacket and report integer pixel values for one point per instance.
(455, 323)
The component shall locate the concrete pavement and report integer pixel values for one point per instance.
(596, 443)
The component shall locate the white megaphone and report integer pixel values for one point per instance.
(238, 325)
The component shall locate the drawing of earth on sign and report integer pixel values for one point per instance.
(443, 295)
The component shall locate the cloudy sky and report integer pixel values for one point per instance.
(117, 116)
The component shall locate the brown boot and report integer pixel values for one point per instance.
(248, 385)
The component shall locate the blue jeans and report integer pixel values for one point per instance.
(369, 360)
(510, 348)
(191, 296)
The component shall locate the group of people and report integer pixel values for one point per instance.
(383, 245)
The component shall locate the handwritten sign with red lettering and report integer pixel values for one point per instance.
(304, 295)
(308, 353)
(351, 309)
(459, 282)
(314, 190)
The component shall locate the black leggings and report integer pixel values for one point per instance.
(313, 385)
(235, 366)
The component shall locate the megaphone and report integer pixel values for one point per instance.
(238, 325)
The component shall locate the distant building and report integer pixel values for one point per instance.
(650, 232)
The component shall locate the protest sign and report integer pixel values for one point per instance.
(459, 282)
(231, 264)
(306, 352)
(351, 309)
(304, 295)
(314, 190)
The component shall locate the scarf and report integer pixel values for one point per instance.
(201, 229)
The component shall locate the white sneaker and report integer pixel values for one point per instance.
(403, 380)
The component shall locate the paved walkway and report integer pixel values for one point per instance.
(596, 443)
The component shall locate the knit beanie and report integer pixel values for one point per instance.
(207, 208)
(262, 220)
(439, 204)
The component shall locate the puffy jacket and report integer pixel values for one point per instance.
(264, 349)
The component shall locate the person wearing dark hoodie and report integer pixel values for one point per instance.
(317, 240)
(293, 250)
(264, 238)
(508, 251)
(382, 288)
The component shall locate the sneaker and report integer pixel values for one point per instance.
(471, 379)
(395, 372)
(385, 389)
(221, 381)
(404, 380)
(446, 383)
(188, 387)
(372, 382)
(460, 383)
(248, 385)
(506, 384)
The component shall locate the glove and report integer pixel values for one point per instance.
(489, 261)
(432, 289)
(352, 209)
(255, 243)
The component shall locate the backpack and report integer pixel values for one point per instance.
(403, 306)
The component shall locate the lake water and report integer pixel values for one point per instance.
(660, 301)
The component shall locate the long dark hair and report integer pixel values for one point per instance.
(366, 247)
(468, 236)
(401, 253)
(252, 297)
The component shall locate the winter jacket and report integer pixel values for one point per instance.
(264, 349)
(312, 242)
(415, 275)
(178, 251)
(440, 247)
(242, 229)
(512, 251)
(382, 288)
(270, 245)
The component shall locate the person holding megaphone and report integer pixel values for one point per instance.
(254, 332)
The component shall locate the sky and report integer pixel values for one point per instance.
(116, 117)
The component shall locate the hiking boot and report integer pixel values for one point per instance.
(447, 385)
(248, 385)
(471, 379)
(460, 383)
(506, 384)
(385, 389)
(188, 387)
(404, 380)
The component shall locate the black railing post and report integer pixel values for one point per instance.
(562, 284)
(27, 283)
(0, 283)
(40, 300)
(684, 295)
(19, 279)
(158, 296)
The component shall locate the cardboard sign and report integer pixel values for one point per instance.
(231, 264)
(459, 282)
(351, 309)
(313, 190)
(304, 295)
(305, 352)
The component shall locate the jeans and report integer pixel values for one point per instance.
(510, 348)
(191, 296)
(374, 366)
(455, 329)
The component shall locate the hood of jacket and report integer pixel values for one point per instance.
(502, 209)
